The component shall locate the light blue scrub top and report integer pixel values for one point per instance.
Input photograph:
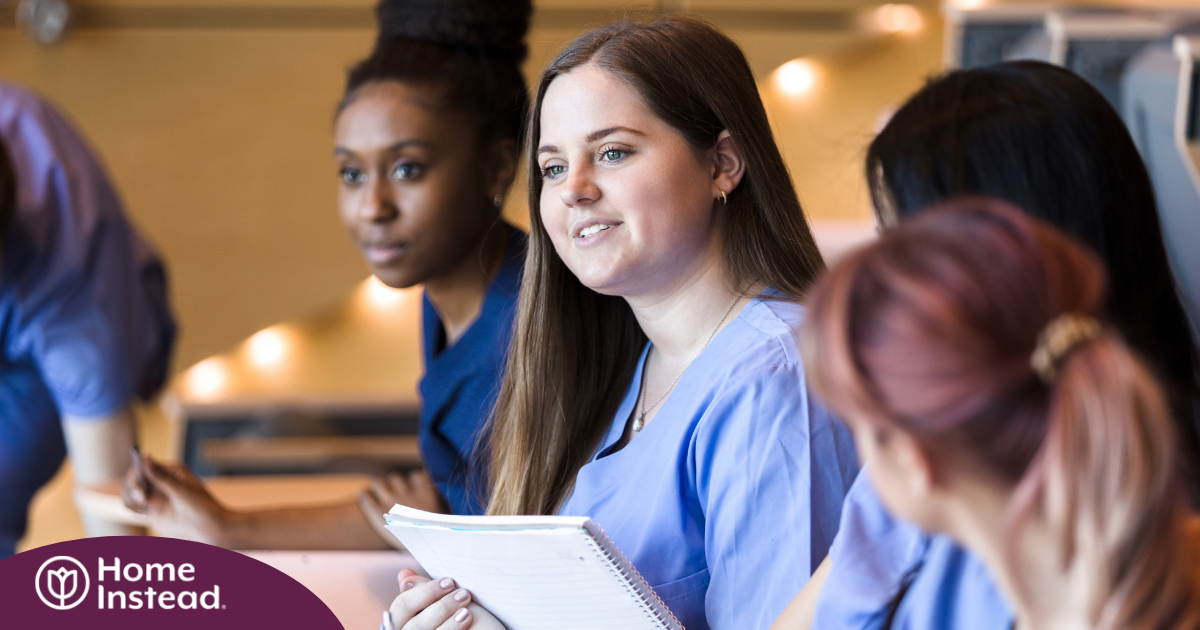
(874, 553)
(729, 499)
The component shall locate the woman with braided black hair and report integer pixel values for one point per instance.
(428, 136)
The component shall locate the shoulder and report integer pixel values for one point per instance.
(755, 376)
(763, 343)
(16, 101)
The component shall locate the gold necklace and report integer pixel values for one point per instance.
(639, 422)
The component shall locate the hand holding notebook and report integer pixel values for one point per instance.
(534, 572)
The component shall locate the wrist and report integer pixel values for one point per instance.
(234, 530)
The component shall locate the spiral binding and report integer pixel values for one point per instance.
(642, 591)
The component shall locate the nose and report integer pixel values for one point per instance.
(378, 202)
(579, 189)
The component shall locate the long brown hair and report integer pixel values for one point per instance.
(931, 330)
(574, 351)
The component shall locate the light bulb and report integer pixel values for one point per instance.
(207, 379)
(796, 77)
(268, 348)
(898, 18)
(379, 296)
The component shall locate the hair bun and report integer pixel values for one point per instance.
(494, 26)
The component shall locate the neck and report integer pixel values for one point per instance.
(1045, 594)
(679, 318)
(458, 294)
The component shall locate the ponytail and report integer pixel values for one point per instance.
(975, 327)
(1104, 478)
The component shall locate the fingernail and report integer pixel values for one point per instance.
(461, 615)
(461, 595)
(446, 583)
(408, 586)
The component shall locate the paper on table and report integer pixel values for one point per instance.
(356, 585)
(533, 573)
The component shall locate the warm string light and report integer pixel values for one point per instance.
(208, 379)
(898, 18)
(379, 297)
(796, 77)
(269, 348)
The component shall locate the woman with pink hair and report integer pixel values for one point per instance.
(967, 352)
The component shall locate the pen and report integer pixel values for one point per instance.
(387, 621)
(142, 483)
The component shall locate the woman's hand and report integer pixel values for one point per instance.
(178, 504)
(416, 491)
(426, 604)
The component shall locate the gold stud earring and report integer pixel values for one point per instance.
(498, 200)
(724, 199)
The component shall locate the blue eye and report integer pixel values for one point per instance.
(612, 155)
(407, 171)
(553, 171)
(352, 176)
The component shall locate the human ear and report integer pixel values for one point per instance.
(728, 165)
(502, 158)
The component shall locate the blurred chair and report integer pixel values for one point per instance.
(1161, 106)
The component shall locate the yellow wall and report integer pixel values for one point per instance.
(219, 140)
(220, 145)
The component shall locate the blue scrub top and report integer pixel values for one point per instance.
(874, 553)
(729, 498)
(84, 321)
(461, 382)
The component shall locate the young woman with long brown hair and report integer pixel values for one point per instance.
(654, 381)
(968, 352)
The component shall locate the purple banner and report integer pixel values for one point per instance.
(132, 582)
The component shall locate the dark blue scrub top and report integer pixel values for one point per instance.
(461, 382)
(84, 321)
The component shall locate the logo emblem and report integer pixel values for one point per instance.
(58, 583)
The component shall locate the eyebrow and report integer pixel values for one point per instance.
(395, 147)
(596, 135)
(592, 137)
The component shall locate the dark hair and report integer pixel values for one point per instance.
(931, 330)
(470, 49)
(1045, 140)
(8, 193)
(574, 350)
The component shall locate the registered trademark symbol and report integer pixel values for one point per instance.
(222, 606)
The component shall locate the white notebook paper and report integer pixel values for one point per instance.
(534, 572)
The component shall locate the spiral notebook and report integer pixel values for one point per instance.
(534, 572)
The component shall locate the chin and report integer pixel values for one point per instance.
(396, 278)
(600, 278)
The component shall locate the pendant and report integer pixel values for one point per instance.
(637, 423)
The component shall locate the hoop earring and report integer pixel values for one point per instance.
(724, 199)
(498, 200)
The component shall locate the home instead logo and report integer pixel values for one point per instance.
(58, 582)
(59, 579)
(136, 582)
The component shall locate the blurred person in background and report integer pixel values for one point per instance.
(1043, 139)
(428, 137)
(85, 326)
(967, 350)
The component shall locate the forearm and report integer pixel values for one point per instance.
(99, 450)
(799, 614)
(337, 526)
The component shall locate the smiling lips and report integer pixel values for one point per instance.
(592, 229)
(585, 231)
